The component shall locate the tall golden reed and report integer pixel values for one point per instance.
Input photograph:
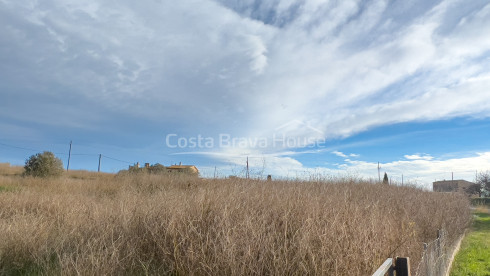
(91, 224)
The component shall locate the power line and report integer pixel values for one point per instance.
(16, 147)
(38, 150)
(62, 153)
(115, 159)
(29, 149)
(84, 154)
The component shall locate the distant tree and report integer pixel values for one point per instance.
(133, 169)
(152, 169)
(44, 164)
(483, 180)
(385, 179)
(474, 189)
(157, 169)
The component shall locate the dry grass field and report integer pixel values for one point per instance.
(95, 224)
(6, 169)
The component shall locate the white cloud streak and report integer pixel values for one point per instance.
(417, 170)
(342, 66)
(340, 154)
(246, 67)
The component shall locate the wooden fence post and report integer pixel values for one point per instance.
(402, 266)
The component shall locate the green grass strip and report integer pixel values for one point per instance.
(474, 256)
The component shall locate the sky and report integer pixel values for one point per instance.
(301, 87)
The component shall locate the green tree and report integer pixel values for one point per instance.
(44, 164)
(157, 169)
(474, 189)
(385, 179)
(483, 180)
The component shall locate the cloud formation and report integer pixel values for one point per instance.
(417, 171)
(243, 67)
(419, 157)
(341, 66)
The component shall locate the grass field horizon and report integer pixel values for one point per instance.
(100, 223)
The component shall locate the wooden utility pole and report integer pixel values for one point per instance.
(214, 171)
(379, 174)
(248, 172)
(100, 157)
(402, 179)
(69, 157)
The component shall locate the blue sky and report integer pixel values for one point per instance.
(403, 83)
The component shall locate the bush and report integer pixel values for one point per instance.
(44, 164)
(480, 201)
(157, 169)
(153, 169)
(483, 180)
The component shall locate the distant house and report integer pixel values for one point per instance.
(157, 168)
(137, 166)
(455, 186)
(183, 169)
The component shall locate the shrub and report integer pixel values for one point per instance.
(157, 169)
(483, 180)
(44, 164)
(385, 179)
(153, 169)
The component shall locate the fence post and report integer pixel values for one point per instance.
(402, 266)
(426, 259)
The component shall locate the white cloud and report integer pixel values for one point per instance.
(344, 67)
(246, 67)
(418, 157)
(340, 154)
(258, 55)
(419, 171)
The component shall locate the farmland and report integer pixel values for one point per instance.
(89, 223)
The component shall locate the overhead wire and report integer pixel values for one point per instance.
(62, 153)
(115, 159)
(16, 147)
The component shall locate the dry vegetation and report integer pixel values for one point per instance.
(6, 169)
(90, 224)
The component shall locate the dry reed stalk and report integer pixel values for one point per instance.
(84, 223)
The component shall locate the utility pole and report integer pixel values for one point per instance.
(452, 176)
(248, 172)
(100, 157)
(379, 174)
(402, 179)
(69, 157)
(214, 171)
